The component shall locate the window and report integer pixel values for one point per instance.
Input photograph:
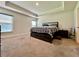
(6, 22)
(34, 23)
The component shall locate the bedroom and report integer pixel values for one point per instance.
(61, 17)
(44, 15)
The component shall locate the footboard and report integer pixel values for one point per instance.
(42, 36)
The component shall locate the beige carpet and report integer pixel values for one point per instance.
(35, 47)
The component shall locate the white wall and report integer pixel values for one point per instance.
(76, 21)
(65, 19)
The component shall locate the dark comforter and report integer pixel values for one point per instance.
(47, 30)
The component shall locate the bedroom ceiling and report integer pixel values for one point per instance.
(44, 7)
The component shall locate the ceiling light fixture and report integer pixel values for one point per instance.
(37, 3)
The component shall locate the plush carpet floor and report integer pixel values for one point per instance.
(38, 48)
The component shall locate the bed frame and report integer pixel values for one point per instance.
(44, 36)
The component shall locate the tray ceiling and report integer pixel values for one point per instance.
(44, 7)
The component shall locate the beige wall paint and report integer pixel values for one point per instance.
(65, 19)
(11, 41)
(21, 23)
(20, 35)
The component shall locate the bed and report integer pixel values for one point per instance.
(45, 32)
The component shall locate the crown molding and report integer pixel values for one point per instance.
(2, 5)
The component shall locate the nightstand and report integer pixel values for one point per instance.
(61, 33)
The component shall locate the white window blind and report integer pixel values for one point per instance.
(6, 22)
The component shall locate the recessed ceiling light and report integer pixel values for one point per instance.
(37, 3)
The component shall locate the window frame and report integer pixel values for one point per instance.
(8, 23)
(36, 20)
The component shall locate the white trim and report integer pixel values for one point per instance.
(63, 5)
(15, 10)
(75, 13)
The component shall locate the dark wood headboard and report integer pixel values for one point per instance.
(51, 24)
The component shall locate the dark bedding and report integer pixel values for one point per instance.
(47, 30)
(44, 33)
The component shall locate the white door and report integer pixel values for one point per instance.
(77, 27)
